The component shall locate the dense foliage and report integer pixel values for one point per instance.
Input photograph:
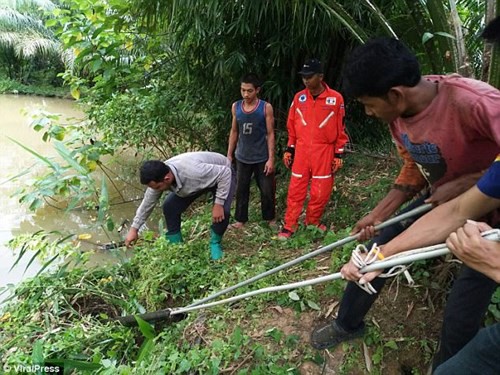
(158, 77)
(161, 75)
(172, 67)
(29, 51)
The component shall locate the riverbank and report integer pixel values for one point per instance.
(66, 317)
(8, 86)
(17, 113)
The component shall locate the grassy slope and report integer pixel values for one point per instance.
(64, 315)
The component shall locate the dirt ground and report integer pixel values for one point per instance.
(403, 315)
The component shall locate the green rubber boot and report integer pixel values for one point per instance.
(174, 237)
(215, 247)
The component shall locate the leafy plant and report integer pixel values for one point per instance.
(47, 247)
(494, 308)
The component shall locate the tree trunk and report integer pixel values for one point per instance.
(446, 46)
(488, 47)
(462, 59)
(494, 66)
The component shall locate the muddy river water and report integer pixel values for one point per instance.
(16, 219)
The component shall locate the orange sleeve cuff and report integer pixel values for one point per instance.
(410, 179)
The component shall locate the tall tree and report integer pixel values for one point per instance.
(194, 51)
(24, 39)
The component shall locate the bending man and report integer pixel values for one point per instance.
(187, 176)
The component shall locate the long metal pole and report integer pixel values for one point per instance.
(420, 209)
(415, 255)
(406, 257)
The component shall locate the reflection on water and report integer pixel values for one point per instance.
(16, 219)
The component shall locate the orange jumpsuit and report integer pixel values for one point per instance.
(316, 129)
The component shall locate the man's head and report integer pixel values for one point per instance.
(156, 175)
(492, 31)
(250, 86)
(375, 67)
(312, 74)
(378, 74)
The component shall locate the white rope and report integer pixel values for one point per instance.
(362, 257)
(416, 211)
(402, 258)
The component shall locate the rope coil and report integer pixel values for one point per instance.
(362, 257)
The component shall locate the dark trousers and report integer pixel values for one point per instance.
(174, 206)
(479, 357)
(467, 303)
(466, 306)
(266, 185)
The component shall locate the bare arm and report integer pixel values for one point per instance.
(269, 167)
(453, 188)
(233, 135)
(432, 228)
(385, 208)
(435, 226)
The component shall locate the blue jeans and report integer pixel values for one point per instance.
(174, 206)
(481, 356)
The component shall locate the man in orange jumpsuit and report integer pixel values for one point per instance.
(316, 139)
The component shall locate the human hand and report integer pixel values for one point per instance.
(365, 228)
(269, 167)
(132, 236)
(288, 157)
(475, 251)
(369, 276)
(350, 271)
(230, 157)
(337, 163)
(217, 213)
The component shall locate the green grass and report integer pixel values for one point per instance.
(68, 313)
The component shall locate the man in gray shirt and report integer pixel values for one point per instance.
(187, 176)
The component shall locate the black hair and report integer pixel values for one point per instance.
(375, 67)
(153, 170)
(251, 78)
(492, 31)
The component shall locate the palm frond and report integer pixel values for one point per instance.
(380, 16)
(335, 9)
(12, 20)
(40, 4)
(33, 45)
(9, 39)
